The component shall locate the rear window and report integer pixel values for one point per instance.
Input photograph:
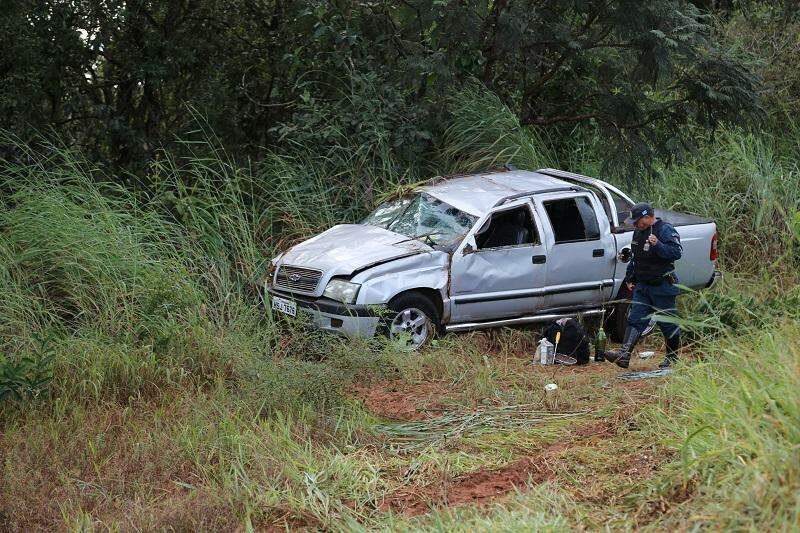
(572, 219)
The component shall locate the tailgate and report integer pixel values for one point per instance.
(695, 268)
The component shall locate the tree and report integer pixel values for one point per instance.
(125, 77)
(639, 74)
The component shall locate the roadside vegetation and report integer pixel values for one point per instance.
(145, 385)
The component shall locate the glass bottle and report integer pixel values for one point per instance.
(600, 345)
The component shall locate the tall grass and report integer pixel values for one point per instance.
(484, 133)
(750, 185)
(159, 287)
(132, 326)
(734, 418)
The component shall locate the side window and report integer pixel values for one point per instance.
(601, 197)
(572, 219)
(513, 227)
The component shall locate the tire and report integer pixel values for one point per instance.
(412, 314)
(617, 317)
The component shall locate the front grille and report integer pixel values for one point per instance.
(297, 278)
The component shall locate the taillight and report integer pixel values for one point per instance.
(714, 247)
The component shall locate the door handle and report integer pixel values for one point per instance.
(598, 252)
(539, 259)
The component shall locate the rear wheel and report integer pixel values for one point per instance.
(617, 316)
(412, 320)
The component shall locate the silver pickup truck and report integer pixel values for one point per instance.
(477, 251)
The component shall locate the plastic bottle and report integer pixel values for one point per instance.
(600, 345)
(545, 351)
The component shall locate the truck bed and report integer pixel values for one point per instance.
(695, 269)
(678, 219)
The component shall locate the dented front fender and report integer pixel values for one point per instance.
(381, 283)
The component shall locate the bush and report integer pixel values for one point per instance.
(24, 378)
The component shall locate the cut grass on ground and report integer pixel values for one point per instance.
(208, 458)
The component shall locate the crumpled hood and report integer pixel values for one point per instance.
(348, 247)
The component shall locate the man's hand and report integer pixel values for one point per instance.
(653, 240)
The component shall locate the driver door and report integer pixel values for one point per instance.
(499, 269)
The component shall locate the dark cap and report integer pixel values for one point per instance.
(642, 209)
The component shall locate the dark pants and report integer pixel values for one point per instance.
(649, 299)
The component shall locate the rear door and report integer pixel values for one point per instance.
(500, 269)
(582, 258)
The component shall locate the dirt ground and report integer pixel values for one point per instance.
(478, 487)
(581, 386)
(400, 400)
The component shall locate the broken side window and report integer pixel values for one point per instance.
(623, 208)
(572, 219)
(512, 227)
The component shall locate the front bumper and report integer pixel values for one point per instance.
(329, 315)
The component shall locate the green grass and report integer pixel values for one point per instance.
(143, 385)
(485, 133)
(734, 419)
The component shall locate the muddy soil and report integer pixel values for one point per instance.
(482, 486)
(476, 488)
(400, 400)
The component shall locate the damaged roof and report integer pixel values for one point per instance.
(478, 193)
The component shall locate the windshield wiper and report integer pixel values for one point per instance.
(421, 236)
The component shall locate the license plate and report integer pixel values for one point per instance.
(284, 306)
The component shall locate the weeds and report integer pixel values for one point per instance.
(450, 427)
(168, 397)
(734, 421)
(25, 379)
(484, 134)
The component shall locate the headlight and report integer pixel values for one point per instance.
(271, 268)
(342, 291)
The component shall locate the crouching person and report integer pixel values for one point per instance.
(651, 275)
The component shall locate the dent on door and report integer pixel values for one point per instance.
(497, 283)
(489, 271)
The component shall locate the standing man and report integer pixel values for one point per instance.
(651, 276)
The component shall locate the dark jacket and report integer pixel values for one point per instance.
(574, 341)
(658, 260)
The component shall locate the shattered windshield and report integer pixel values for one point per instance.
(422, 217)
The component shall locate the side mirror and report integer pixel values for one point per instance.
(469, 246)
(624, 255)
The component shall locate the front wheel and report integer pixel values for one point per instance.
(412, 320)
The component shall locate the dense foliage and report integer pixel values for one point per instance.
(143, 383)
(121, 79)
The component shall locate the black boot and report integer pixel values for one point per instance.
(673, 345)
(622, 357)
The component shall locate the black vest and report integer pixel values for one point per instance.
(647, 265)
